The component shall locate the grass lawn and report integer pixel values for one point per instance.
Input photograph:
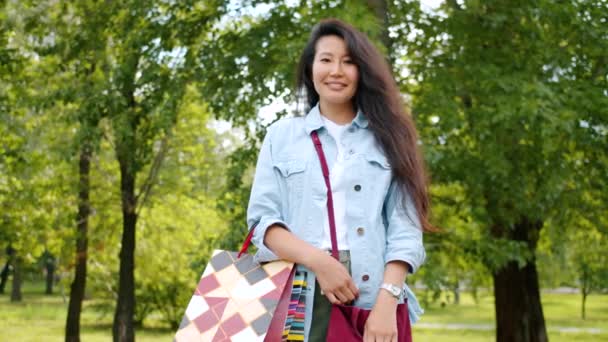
(42, 318)
(561, 310)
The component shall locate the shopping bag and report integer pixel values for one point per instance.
(238, 299)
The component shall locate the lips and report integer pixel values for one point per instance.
(335, 85)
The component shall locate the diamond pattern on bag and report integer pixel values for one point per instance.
(269, 303)
(207, 284)
(245, 265)
(184, 322)
(233, 325)
(261, 324)
(221, 260)
(256, 275)
(234, 300)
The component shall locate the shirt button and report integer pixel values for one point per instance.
(357, 187)
(365, 277)
(351, 130)
(360, 230)
(351, 151)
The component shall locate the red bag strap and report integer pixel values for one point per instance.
(330, 200)
(247, 241)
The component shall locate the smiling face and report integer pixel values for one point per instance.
(334, 75)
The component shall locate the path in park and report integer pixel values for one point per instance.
(464, 326)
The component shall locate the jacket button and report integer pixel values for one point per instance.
(365, 277)
(357, 187)
(360, 230)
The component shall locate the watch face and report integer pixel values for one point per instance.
(394, 290)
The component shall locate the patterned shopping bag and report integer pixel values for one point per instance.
(237, 299)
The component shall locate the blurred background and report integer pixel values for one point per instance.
(129, 132)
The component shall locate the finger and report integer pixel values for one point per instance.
(353, 288)
(341, 296)
(366, 336)
(332, 298)
(348, 293)
(394, 339)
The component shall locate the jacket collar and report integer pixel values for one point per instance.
(314, 121)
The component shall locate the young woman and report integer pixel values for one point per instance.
(378, 185)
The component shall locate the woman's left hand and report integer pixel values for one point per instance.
(381, 325)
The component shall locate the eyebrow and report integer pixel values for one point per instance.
(330, 54)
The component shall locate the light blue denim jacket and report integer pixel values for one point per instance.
(289, 190)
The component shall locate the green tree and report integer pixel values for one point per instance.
(491, 85)
(69, 54)
(154, 46)
(180, 225)
(590, 261)
(31, 176)
(454, 254)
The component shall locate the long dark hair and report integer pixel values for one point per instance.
(378, 97)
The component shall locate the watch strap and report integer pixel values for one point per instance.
(394, 290)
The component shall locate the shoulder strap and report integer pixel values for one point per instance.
(330, 200)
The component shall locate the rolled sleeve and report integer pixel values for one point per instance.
(265, 208)
(403, 231)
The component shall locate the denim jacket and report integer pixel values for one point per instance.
(289, 190)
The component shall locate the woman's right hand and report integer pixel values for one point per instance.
(335, 281)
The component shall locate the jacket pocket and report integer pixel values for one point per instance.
(378, 161)
(290, 168)
(292, 175)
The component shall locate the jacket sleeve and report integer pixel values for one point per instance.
(403, 230)
(265, 207)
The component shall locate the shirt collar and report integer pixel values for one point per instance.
(314, 121)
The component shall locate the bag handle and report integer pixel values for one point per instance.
(330, 199)
(247, 242)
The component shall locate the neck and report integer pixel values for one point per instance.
(340, 113)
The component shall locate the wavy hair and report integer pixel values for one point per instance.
(377, 96)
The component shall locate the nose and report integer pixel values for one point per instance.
(336, 69)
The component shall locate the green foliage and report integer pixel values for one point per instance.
(454, 260)
(176, 237)
(178, 227)
(489, 84)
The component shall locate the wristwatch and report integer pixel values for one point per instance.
(395, 291)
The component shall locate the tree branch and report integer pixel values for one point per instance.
(146, 187)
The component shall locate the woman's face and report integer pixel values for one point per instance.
(334, 75)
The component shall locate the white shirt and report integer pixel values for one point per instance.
(337, 190)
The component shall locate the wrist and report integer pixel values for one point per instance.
(314, 259)
(386, 300)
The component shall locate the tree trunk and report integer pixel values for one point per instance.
(16, 290)
(49, 264)
(583, 306)
(72, 328)
(380, 10)
(123, 328)
(4, 275)
(456, 291)
(519, 313)
(584, 289)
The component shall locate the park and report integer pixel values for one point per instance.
(129, 134)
